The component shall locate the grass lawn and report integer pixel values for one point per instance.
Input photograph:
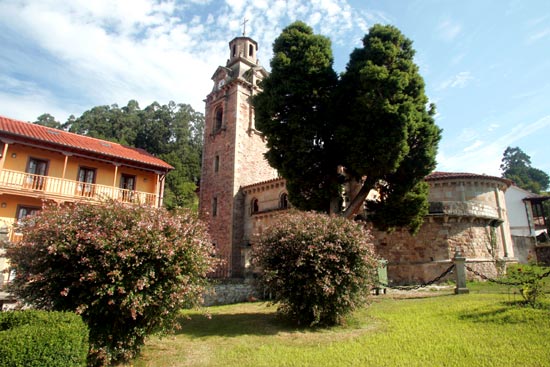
(483, 328)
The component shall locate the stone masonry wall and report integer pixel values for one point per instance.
(250, 167)
(543, 255)
(421, 258)
(524, 248)
(231, 291)
(268, 194)
(216, 184)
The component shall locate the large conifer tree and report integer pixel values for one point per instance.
(372, 126)
(293, 113)
(387, 130)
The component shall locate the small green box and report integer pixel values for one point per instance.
(382, 280)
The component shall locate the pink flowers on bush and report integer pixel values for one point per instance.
(318, 268)
(127, 270)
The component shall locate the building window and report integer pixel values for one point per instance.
(25, 211)
(218, 122)
(234, 50)
(283, 201)
(538, 214)
(37, 170)
(254, 207)
(217, 163)
(250, 50)
(22, 212)
(128, 186)
(86, 181)
(215, 206)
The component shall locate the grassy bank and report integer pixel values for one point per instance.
(483, 328)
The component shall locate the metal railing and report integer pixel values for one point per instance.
(54, 186)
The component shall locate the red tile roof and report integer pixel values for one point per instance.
(266, 182)
(58, 139)
(434, 176)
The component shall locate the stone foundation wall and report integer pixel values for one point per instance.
(231, 291)
(543, 255)
(423, 257)
(524, 248)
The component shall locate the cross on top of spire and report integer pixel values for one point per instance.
(244, 26)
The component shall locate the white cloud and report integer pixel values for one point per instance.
(237, 5)
(485, 157)
(459, 80)
(493, 127)
(34, 105)
(534, 37)
(448, 30)
(476, 145)
(468, 135)
(457, 59)
(68, 56)
(314, 19)
(536, 21)
(96, 43)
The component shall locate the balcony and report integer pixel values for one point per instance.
(47, 187)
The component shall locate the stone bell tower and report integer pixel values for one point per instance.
(233, 152)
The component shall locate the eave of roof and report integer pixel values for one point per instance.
(28, 133)
(437, 176)
(537, 198)
(261, 183)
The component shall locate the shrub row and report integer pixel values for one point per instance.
(43, 339)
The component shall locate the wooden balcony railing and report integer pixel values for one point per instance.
(17, 182)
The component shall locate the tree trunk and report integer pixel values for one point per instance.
(357, 202)
(335, 206)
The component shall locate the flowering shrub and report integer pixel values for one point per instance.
(126, 270)
(318, 268)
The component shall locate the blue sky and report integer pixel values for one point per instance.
(486, 63)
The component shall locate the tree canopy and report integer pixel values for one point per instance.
(48, 120)
(293, 113)
(516, 166)
(172, 132)
(371, 128)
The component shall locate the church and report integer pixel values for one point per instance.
(240, 193)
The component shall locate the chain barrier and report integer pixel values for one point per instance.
(449, 271)
(484, 277)
(418, 286)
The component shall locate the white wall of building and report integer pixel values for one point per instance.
(517, 212)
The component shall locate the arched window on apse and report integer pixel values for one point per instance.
(254, 207)
(283, 201)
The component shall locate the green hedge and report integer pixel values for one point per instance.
(43, 339)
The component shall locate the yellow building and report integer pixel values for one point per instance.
(38, 163)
